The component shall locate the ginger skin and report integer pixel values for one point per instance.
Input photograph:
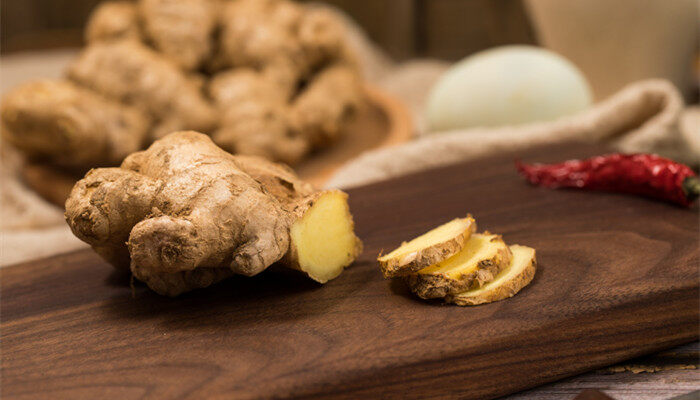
(330, 100)
(271, 78)
(258, 33)
(133, 74)
(59, 122)
(181, 30)
(465, 268)
(113, 20)
(184, 214)
(255, 117)
(430, 248)
(478, 262)
(295, 84)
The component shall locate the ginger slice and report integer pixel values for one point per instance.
(428, 249)
(509, 282)
(323, 238)
(479, 261)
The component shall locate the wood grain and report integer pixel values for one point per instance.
(617, 279)
(592, 394)
(677, 374)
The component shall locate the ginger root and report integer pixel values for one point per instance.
(329, 101)
(184, 214)
(465, 268)
(113, 20)
(258, 33)
(302, 54)
(71, 127)
(131, 73)
(322, 38)
(518, 274)
(238, 85)
(180, 29)
(255, 117)
(481, 259)
(256, 127)
(430, 248)
(271, 78)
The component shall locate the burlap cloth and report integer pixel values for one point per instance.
(646, 116)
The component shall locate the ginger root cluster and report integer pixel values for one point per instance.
(269, 78)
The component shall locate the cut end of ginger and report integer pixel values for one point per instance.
(518, 274)
(323, 238)
(430, 248)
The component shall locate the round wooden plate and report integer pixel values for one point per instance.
(383, 122)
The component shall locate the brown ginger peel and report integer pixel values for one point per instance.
(184, 214)
(282, 79)
(430, 248)
(60, 122)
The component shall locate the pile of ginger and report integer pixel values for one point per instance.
(269, 78)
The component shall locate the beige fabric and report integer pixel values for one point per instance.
(30, 227)
(643, 117)
(646, 116)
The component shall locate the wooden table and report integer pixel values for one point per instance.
(676, 374)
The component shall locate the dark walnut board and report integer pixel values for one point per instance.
(618, 278)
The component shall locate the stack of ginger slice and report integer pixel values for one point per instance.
(454, 263)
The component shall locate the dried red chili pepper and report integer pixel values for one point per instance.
(642, 174)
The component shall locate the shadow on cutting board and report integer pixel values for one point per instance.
(236, 301)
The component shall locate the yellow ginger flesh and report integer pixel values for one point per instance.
(479, 247)
(441, 234)
(324, 239)
(511, 280)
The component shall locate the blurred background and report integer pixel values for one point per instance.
(612, 42)
(446, 29)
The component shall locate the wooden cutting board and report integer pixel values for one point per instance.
(618, 278)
